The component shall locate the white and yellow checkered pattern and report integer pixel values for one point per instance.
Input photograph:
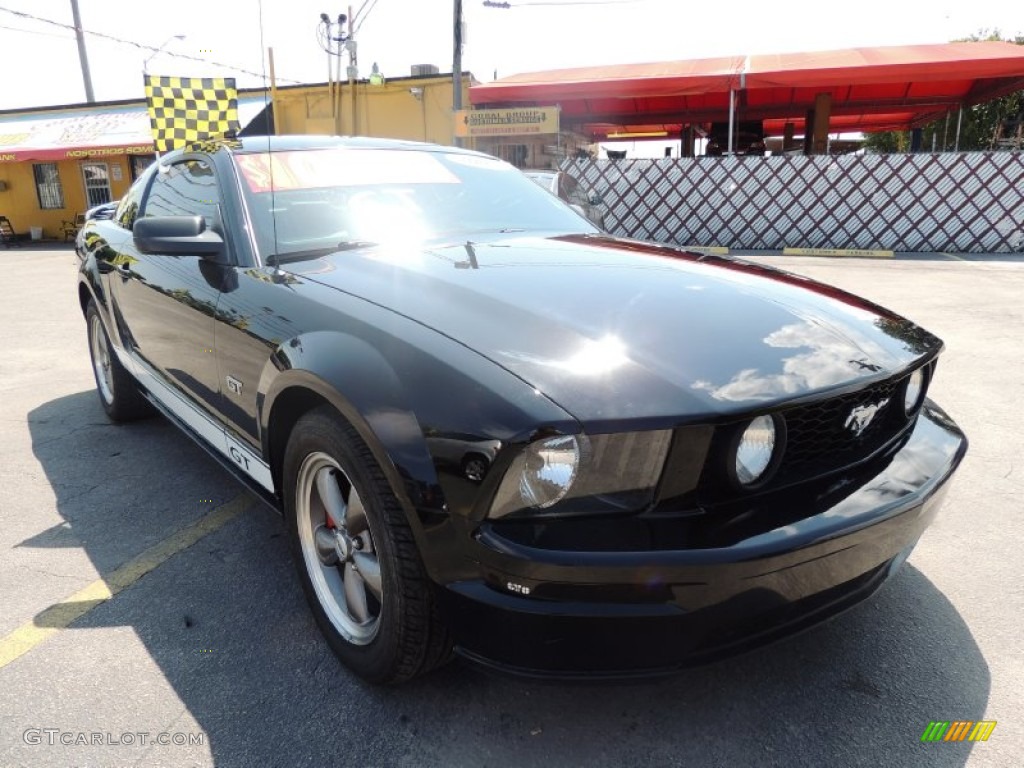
(183, 110)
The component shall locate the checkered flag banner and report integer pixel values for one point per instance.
(183, 110)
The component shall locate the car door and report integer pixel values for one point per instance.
(166, 304)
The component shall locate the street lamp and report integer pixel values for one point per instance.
(163, 45)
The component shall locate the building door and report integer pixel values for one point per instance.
(97, 184)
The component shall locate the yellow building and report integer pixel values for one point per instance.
(57, 162)
(415, 108)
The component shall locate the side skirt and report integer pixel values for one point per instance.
(233, 469)
(240, 461)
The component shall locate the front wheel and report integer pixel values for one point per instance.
(119, 394)
(356, 556)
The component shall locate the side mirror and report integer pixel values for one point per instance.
(177, 235)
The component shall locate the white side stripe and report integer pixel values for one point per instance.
(199, 422)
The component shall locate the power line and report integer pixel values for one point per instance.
(37, 32)
(140, 46)
(360, 16)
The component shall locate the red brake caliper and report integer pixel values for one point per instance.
(330, 520)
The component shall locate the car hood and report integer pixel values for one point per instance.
(615, 329)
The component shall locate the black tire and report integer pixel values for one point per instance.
(119, 394)
(398, 634)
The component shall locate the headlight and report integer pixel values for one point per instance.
(581, 475)
(548, 470)
(914, 391)
(755, 450)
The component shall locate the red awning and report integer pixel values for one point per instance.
(868, 86)
(49, 136)
(626, 81)
(79, 133)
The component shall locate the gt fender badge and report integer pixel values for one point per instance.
(862, 416)
(519, 589)
(234, 385)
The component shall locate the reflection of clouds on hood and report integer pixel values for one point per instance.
(830, 359)
(593, 357)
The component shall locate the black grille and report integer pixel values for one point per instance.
(823, 436)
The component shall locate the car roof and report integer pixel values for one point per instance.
(250, 144)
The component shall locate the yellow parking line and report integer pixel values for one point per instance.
(858, 252)
(60, 615)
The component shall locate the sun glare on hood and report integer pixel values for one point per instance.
(596, 357)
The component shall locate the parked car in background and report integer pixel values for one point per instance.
(99, 212)
(494, 429)
(562, 185)
(102, 211)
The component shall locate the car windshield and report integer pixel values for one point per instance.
(302, 201)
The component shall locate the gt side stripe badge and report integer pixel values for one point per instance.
(249, 462)
(199, 422)
(234, 385)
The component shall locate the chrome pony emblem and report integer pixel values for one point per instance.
(862, 416)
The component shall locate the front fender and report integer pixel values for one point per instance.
(356, 379)
(399, 390)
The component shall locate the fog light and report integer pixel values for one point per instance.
(755, 450)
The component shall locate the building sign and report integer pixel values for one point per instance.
(78, 134)
(506, 122)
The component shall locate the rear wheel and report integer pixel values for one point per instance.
(119, 394)
(356, 556)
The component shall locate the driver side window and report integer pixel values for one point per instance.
(128, 209)
(188, 188)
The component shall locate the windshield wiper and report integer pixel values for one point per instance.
(325, 250)
(351, 245)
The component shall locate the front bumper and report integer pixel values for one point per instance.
(569, 613)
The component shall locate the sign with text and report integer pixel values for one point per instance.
(506, 122)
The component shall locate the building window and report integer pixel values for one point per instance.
(97, 184)
(141, 163)
(517, 154)
(48, 188)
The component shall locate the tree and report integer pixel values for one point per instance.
(977, 124)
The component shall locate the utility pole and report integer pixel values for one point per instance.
(82, 56)
(333, 42)
(457, 65)
(352, 70)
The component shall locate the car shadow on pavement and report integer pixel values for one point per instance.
(227, 627)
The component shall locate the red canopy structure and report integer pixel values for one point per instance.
(885, 88)
(87, 132)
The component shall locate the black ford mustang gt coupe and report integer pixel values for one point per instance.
(495, 430)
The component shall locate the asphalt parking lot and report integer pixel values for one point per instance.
(146, 599)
